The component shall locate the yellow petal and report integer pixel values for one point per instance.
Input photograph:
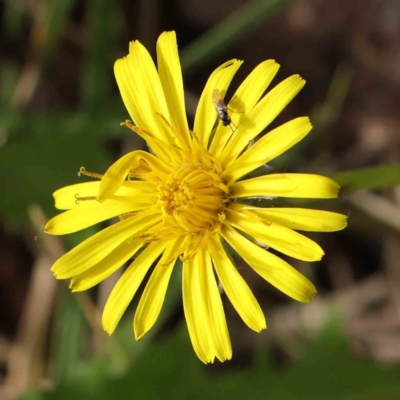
(106, 266)
(243, 101)
(287, 185)
(217, 322)
(208, 329)
(100, 245)
(273, 269)
(276, 236)
(152, 299)
(123, 292)
(235, 287)
(205, 114)
(169, 68)
(117, 173)
(270, 146)
(266, 110)
(196, 313)
(65, 198)
(92, 212)
(141, 90)
(303, 219)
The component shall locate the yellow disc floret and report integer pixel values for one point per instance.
(192, 199)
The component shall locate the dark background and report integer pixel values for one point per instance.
(60, 110)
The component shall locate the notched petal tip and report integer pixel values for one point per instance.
(308, 121)
(309, 295)
(139, 330)
(301, 80)
(134, 45)
(51, 227)
(263, 326)
(206, 359)
(318, 257)
(165, 35)
(47, 228)
(74, 287)
(106, 327)
(331, 188)
(225, 358)
(339, 223)
(313, 294)
(56, 275)
(106, 331)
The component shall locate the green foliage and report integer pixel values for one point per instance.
(68, 337)
(56, 15)
(97, 73)
(379, 177)
(169, 369)
(228, 31)
(43, 154)
(13, 19)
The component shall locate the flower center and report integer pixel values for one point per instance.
(192, 198)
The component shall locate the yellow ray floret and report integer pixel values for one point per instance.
(188, 200)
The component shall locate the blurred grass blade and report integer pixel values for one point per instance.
(224, 34)
(326, 114)
(374, 214)
(13, 13)
(103, 30)
(69, 337)
(369, 178)
(8, 81)
(56, 15)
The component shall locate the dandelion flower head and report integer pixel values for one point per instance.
(187, 198)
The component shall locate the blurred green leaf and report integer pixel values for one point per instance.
(379, 177)
(326, 114)
(97, 74)
(56, 15)
(43, 153)
(69, 336)
(170, 369)
(34, 394)
(229, 31)
(9, 78)
(13, 17)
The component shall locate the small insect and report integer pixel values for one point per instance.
(221, 108)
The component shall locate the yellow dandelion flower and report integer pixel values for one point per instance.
(186, 198)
